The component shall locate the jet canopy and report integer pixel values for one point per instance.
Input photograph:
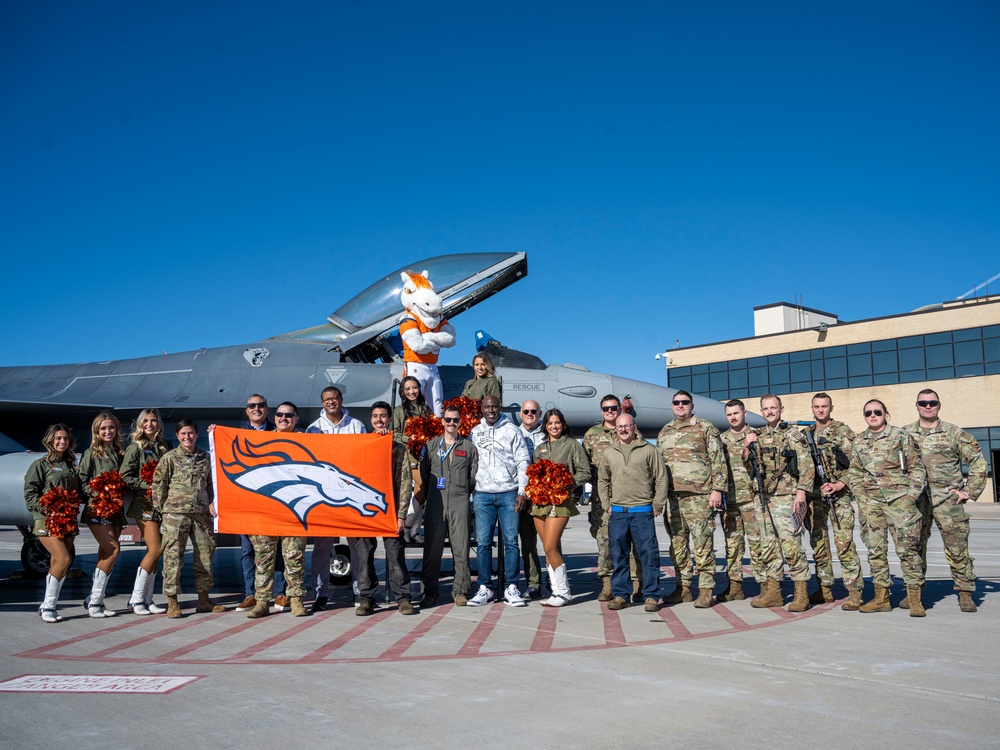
(366, 328)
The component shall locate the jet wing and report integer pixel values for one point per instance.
(463, 280)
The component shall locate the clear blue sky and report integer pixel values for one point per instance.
(180, 175)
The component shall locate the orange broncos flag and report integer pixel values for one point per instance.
(294, 484)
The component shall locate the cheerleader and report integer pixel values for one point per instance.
(55, 530)
(148, 446)
(485, 383)
(103, 456)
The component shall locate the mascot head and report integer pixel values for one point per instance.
(420, 299)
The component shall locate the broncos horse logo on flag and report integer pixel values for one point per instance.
(285, 471)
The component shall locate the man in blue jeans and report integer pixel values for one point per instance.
(499, 497)
(632, 481)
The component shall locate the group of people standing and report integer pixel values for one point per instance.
(769, 486)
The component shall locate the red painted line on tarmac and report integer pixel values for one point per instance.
(401, 647)
(482, 632)
(737, 622)
(214, 638)
(546, 631)
(613, 633)
(146, 639)
(679, 630)
(41, 651)
(345, 638)
(302, 623)
(783, 613)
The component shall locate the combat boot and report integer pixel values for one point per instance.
(680, 594)
(913, 599)
(905, 603)
(800, 600)
(770, 595)
(853, 603)
(965, 602)
(732, 593)
(880, 602)
(207, 605)
(261, 609)
(173, 608)
(704, 600)
(298, 608)
(822, 595)
(605, 595)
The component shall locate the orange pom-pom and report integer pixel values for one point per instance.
(146, 475)
(61, 507)
(419, 430)
(549, 483)
(109, 490)
(471, 410)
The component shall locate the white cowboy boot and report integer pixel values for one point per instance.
(147, 598)
(95, 602)
(138, 599)
(48, 608)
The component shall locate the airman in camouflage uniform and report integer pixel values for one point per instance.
(834, 440)
(788, 473)
(293, 548)
(182, 494)
(696, 461)
(739, 518)
(595, 441)
(943, 449)
(886, 477)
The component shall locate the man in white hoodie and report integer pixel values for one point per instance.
(335, 420)
(499, 497)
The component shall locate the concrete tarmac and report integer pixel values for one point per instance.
(498, 676)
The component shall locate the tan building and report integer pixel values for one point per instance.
(953, 348)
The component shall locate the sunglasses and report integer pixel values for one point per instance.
(610, 408)
(529, 411)
(874, 412)
(285, 415)
(681, 402)
(451, 420)
(928, 403)
(257, 405)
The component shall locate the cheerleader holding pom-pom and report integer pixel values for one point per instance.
(52, 494)
(147, 447)
(103, 491)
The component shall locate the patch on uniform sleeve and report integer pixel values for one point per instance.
(795, 436)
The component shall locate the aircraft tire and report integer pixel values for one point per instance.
(340, 565)
(34, 558)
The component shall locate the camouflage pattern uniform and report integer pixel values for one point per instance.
(595, 441)
(182, 493)
(943, 449)
(695, 457)
(293, 552)
(886, 477)
(781, 484)
(739, 518)
(836, 437)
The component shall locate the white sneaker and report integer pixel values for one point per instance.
(100, 611)
(140, 609)
(513, 597)
(483, 596)
(155, 609)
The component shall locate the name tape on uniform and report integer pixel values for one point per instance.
(97, 683)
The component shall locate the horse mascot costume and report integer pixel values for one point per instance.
(425, 332)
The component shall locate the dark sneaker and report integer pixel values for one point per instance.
(533, 593)
(320, 604)
(429, 600)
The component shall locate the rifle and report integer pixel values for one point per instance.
(765, 501)
(817, 458)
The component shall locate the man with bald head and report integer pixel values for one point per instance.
(633, 483)
(534, 435)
